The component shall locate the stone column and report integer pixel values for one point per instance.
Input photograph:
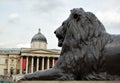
(26, 64)
(42, 63)
(48, 64)
(37, 63)
(8, 64)
(32, 64)
(21, 60)
(53, 62)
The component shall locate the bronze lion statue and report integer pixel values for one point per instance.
(88, 51)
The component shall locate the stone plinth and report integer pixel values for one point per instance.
(69, 82)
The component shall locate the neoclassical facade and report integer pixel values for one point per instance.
(28, 60)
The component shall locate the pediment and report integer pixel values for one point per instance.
(39, 51)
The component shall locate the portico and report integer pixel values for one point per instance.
(32, 61)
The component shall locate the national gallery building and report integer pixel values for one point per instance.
(28, 60)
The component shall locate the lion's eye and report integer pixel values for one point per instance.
(75, 16)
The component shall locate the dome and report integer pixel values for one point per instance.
(39, 37)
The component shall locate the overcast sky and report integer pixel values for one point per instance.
(20, 19)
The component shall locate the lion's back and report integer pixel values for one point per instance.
(112, 55)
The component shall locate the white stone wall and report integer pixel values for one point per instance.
(40, 45)
(8, 61)
(3, 64)
(13, 62)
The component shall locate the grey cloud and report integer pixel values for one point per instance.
(47, 5)
(14, 18)
(3, 29)
(113, 28)
(42, 6)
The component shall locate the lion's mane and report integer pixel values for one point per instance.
(84, 39)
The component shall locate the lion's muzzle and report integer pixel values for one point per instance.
(59, 34)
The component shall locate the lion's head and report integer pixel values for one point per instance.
(82, 38)
(80, 25)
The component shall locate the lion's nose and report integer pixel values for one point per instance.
(54, 32)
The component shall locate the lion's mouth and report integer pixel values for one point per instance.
(60, 40)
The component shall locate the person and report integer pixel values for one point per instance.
(11, 71)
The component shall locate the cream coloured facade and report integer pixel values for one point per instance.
(38, 44)
(28, 60)
(9, 59)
